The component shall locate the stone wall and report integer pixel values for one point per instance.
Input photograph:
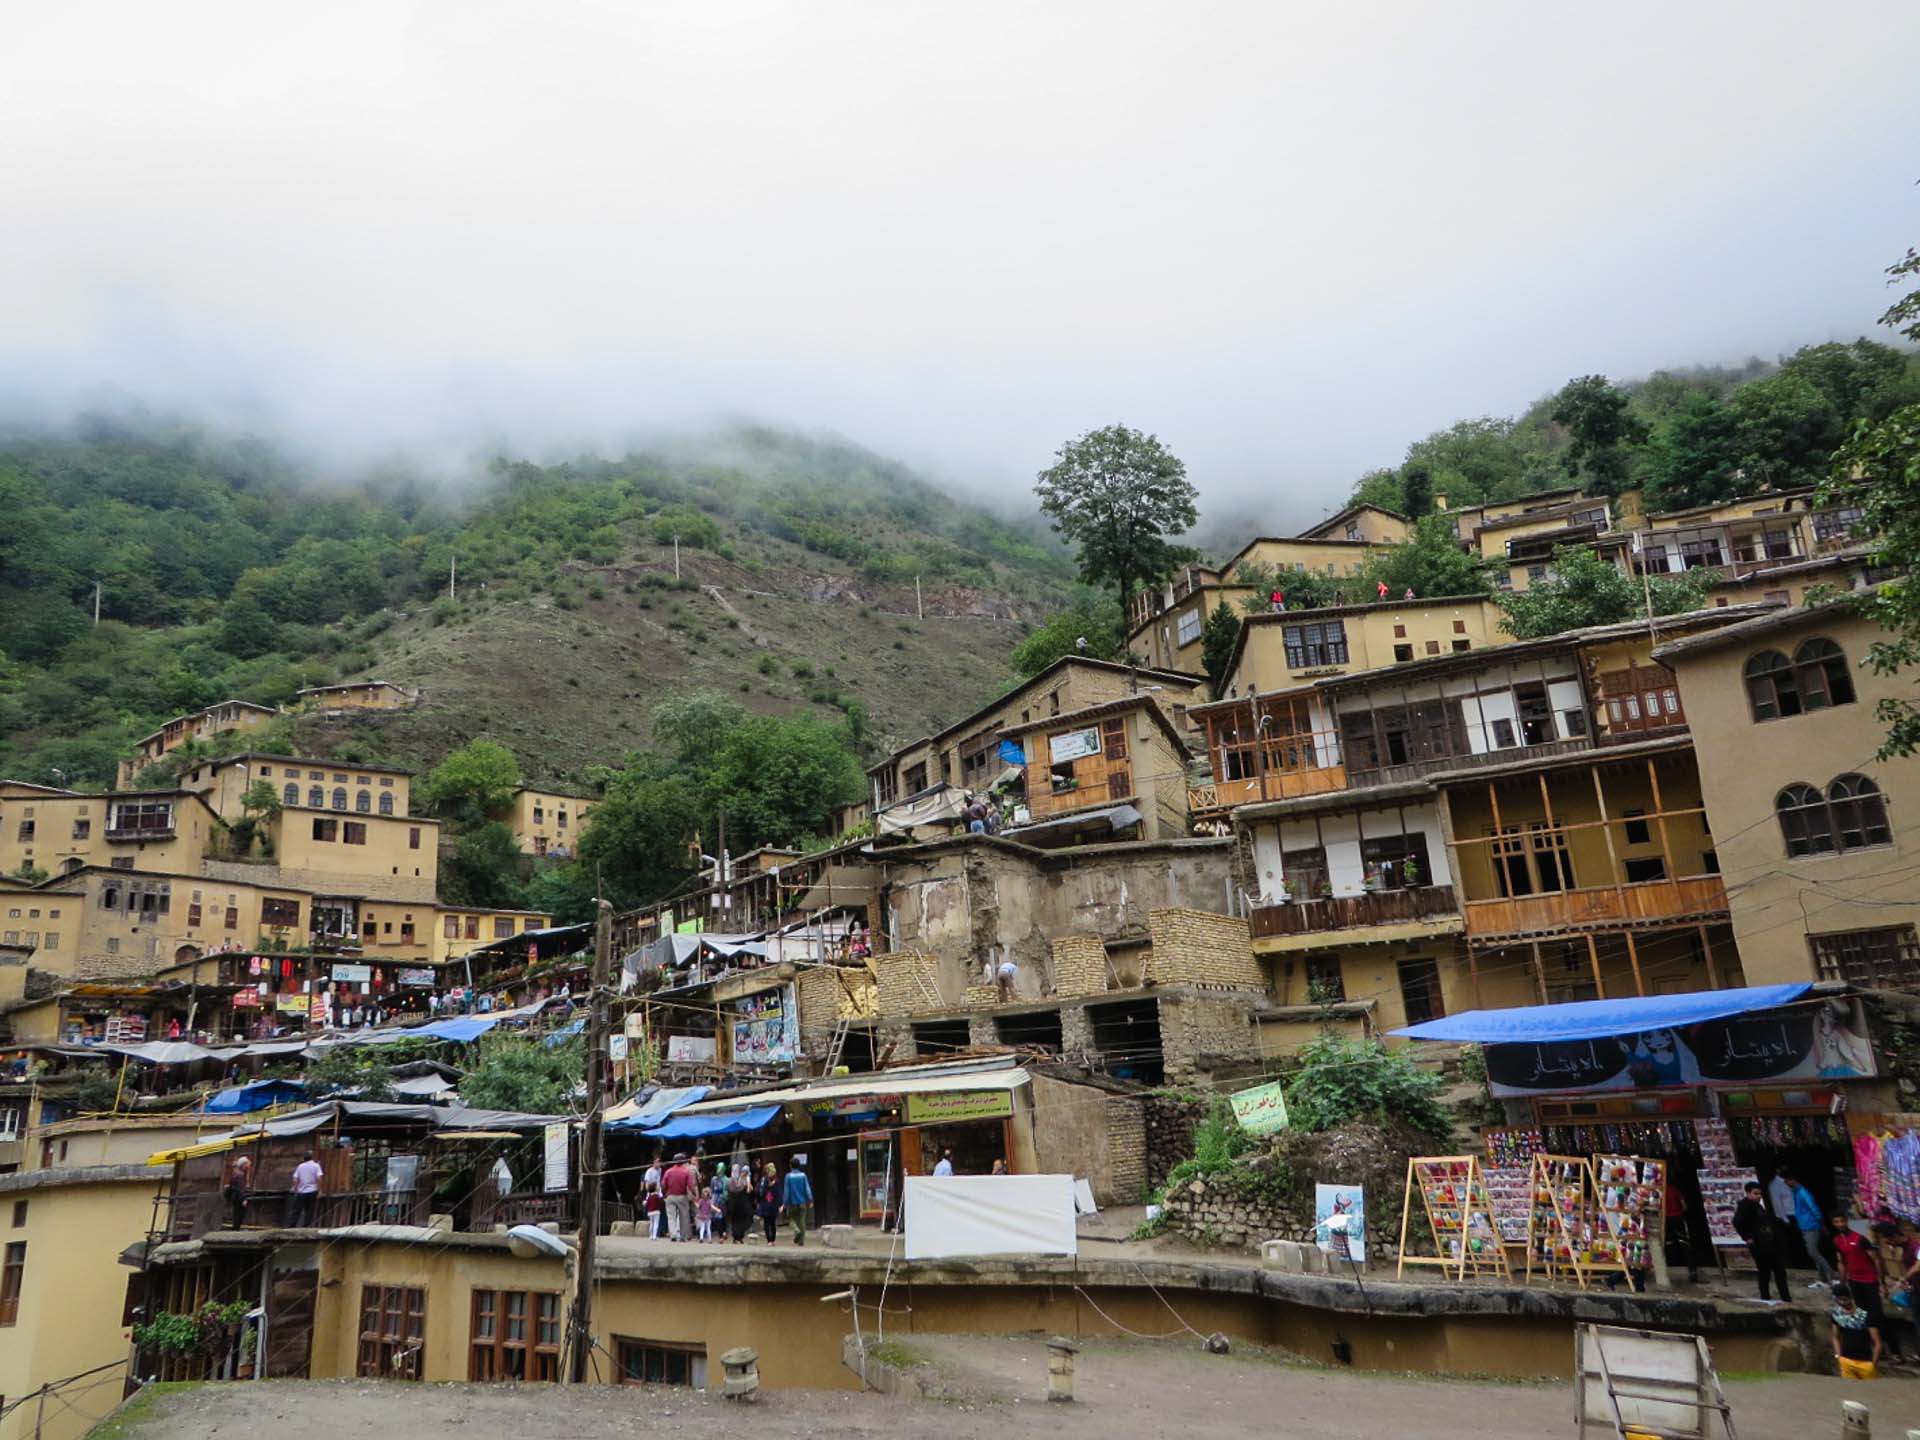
(1126, 1148)
(827, 994)
(1196, 947)
(1204, 1035)
(1079, 965)
(1089, 1131)
(1168, 1118)
(1214, 1212)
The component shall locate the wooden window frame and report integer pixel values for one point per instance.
(627, 1347)
(496, 1353)
(393, 1332)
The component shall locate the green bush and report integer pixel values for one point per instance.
(1341, 1080)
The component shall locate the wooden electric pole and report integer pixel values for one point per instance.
(453, 577)
(592, 1158)
(96, 602)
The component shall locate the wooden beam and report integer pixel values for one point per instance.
(1706, 949)
(1593, 959)
(1539, 970)
(1660, 817)
(1633, 956)
(1473, 971)
(1606, 829)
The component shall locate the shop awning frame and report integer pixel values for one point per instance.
(1601, 1019)
(878, 1083)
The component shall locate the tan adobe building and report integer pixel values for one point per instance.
(1166, 621)
(62, 1290)
(1116, 770)
(548, 822)
(357, 695)
(1372, 524)
(221, 719)
(1805, 819)
(1288, 648)
(151, 829)
(461, 928)
(301, 784)
(39, 928)
(372, 855)
(22, 790)
(1804, 582)
(966, 755)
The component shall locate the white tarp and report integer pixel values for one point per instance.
(951, 1215)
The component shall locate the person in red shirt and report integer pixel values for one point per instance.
(1859, 1268)
(679, 1183)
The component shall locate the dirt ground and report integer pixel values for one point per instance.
(987, 1384)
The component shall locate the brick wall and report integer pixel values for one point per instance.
(1204, 1034)
(907, 984)
(1196, 947)
(827, 995)
(1126, 1148)
(1079, 965)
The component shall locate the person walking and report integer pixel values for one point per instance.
(1857, 1345)
(1755, 1226)
(769, 1206)
(239, 1182)
(739, 1204)
(1806, 1216)
(678, 1185)
(703, 1215)
(717, 1193)
(1859, 1261)
(797, 1194)
(945, 1167)
(306, 1192)
(656, 1209)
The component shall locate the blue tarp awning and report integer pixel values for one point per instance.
(1598, 1019)
(690, 1127)
(656, 1107)
(565, 1033)
(260, 1095)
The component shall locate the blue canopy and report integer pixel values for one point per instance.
(566, 1032)
(690, 1127)
(656, 1107)
(260, 1095)
(1597, 1019)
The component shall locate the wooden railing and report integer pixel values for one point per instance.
(1347, 912)
(1414, 769)
(1612, 907)
(1274, 785)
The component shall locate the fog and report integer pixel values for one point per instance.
(1288, 237)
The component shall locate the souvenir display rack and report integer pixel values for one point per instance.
(1722, 1182)
(1566, 1235)
(1509, 1176)
(1633, 1203)
(1452, 1194)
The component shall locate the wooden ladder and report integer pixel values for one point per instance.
(836, 1045)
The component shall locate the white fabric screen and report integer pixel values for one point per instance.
(989, 1215)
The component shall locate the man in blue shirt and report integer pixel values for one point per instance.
(1806, 1215)
(797, 1195)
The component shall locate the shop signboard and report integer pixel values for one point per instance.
(941, 1107)
(1074, 745)
(1261, 1110)
(766, 1028)
(246, 999)
(1827, 1040)
(291, 1004)
(844, 1105)
(690, 1048)
(553, 1156)
(417, 979)
(352, 974)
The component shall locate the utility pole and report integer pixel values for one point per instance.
(592, 1160)
(96, 602)
(919, 605)
(676, 557)
(453, 577)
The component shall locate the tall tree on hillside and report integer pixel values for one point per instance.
(1093, 617)
(474, 783)
(1878, 470)
(1602, 431)
(1696, 455)
(1119, 496)
(1582, 589)
(1416, 489)
(1430, 563)
(1217, 640)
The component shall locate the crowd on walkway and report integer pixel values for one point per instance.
(694, 1200)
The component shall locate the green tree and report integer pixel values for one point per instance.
(528, 1076)
(1602, 431)
(637, 836)
(1341, 1080)
(359, 1071)
(483, 868)
(1217, 640)
(1302, 589)
(778, 779)
(1695, 455)
(688, 726)
(1430, 563)
(1785, 432)
(1863, 380)
(1120, 496)
(1092, 616)
(475, 782)
(246, 628)
(1582, 589)
(1416, 489)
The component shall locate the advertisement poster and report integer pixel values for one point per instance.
(1797, 1042)
(766, 1028)
(417, 979)
(291, 1004)
(352, 974)
(1073, 745)
(691, 1048)
(553, 1152)
(1261, 1110)
(942, 1106)
(1340, 1221)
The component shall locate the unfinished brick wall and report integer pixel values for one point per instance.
(1079, 965)
(907, 983)
(1204, 1034)
(1126, 1148)
(1202, 949)
(829, 994)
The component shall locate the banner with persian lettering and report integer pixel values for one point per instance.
(1823, 1040)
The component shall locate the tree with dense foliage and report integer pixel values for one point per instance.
(1583, 589)
(1302, 589)
(1093, 616)
(637, 838)
(474, 783)
(483, 868)
(1695, 456)
(513, 1072)
(1878, 471)
(1217, 639)
(1120, 496)
(1416, 489)
(1342, 1080)
(1429, 562)
(1601, 431)
(779, 778)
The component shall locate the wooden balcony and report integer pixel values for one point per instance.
(1416, 769)
(1351, 912)
(1612, 907)
(1221, 795)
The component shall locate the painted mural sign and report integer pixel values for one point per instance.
(1340, 1221)
(1827, 1040)
(1261, 1110)
(766, 1028)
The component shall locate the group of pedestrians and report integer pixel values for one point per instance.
(684, 1205)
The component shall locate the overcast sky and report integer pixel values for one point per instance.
(1289, 237)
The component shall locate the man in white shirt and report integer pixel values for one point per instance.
(306, 1192)
(945, 1167)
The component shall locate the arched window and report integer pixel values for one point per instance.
(386, 802)
(340, 797)
(290, 795)
(317, 798)
(1859, 813)
(1821, 674)
(1771, 689)
(1804, 821)
(362, 801)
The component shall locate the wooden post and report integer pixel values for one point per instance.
(1633, 957)
(592, 1158)
(1660, 815)
(1473, 971)
(1539, 970)
(1593, 959)
(1706, 949)
(1613, 856)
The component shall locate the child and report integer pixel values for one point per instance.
(656, 1209)
(703, 1215)
(1857, 1346)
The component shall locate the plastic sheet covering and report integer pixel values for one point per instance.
(949, 1215)
(1598, 1019)
(938, 806)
